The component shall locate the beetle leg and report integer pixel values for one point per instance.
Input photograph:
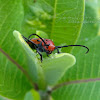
(47, 54)
(58, 50)
(40, 55)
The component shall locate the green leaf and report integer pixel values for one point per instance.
(90, 27)
(12, 80)
(80, 91)
(29, 96)
(21, 15)
(99, 15)
(84, 66)
(55, 17)
(34, 69)
(3, 98)
(57, 63)
(56, 66)
(89, 30)
(83, 81)
(11, 17)
(32, 95)
(30, 56)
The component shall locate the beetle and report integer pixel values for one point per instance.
(45, 45)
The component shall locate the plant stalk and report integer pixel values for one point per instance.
(44, 95)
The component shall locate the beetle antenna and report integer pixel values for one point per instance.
(39, 37)
(29, 41)
(73, 45)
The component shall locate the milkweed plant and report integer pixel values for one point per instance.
(69, 75)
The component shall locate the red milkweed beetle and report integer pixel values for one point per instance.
(45, 45)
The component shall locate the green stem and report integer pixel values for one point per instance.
(44, 95)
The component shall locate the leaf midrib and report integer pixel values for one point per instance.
(54, 17)
(75, 82)
(18, 66)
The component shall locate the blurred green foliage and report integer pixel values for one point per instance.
(62, 21)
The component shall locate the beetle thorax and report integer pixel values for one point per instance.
(50, 47)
